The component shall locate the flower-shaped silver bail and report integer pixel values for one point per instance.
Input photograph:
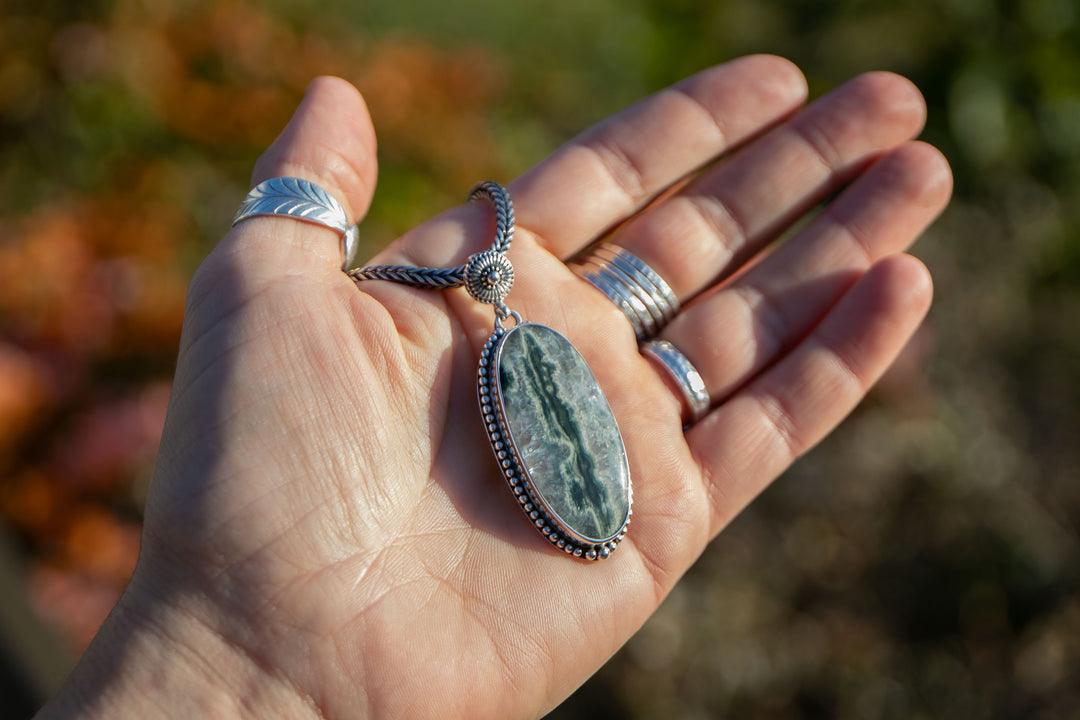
(489, 275)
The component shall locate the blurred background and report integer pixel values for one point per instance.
(923, 562)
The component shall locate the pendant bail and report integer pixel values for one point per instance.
(489, 275)
(502, 313)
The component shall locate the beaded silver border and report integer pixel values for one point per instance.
(546, 521)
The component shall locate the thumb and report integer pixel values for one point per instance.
(330, 141)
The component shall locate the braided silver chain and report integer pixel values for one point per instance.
(445, 278)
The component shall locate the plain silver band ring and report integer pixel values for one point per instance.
(634, 305)
(682, 371)
(643, 296)
(303, 200)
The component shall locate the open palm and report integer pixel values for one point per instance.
(328, 532)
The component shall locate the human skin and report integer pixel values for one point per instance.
(327, 534)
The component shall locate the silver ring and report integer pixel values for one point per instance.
(643, 296)
(303, 200)
(692, 386)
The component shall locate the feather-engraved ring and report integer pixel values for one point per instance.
(303, 200)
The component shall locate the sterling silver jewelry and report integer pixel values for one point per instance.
(303, 200)
(689, 381)
(644, 297)
(550, 427)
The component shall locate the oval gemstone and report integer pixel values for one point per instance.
(564, 432)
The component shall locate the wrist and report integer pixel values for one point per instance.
(154, 658)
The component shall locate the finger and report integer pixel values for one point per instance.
(733, 334)
(330, 141)
(749, 440)
(729, 213)
(614, 169)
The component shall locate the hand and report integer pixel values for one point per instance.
(327, 533)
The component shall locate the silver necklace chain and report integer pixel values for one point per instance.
(445, 278)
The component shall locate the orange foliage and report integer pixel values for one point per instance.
(23, 395)
(78, 275)
(431, 106)
(92, 283)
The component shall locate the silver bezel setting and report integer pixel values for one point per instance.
(531, 501)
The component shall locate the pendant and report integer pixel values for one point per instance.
(550, 426)
(555, 438)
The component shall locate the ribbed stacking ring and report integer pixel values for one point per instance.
(644, 297)
(303, 200)
(689, 381)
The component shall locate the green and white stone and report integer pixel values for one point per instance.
(564, 432)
